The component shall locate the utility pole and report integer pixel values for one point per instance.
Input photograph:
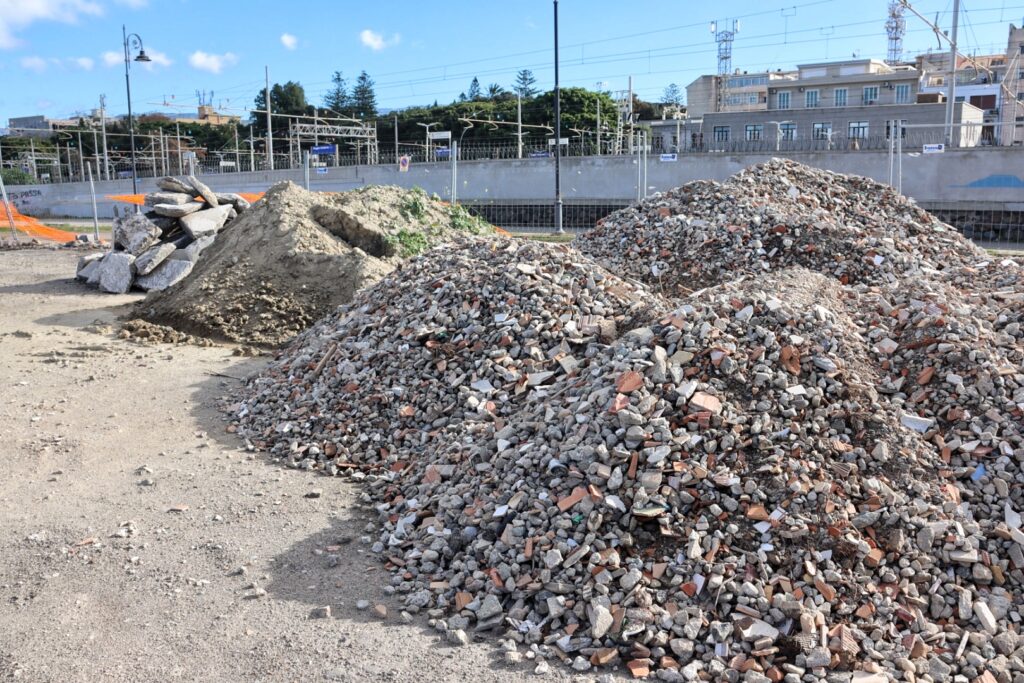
(519, 122)
(252, 150)
(270, 132)
(177, 142)
(951, 101)
(103, 126)
(629, 114)
(395, 139)
(598, 132)
(558, 137)
(238, 161)
(81, 157)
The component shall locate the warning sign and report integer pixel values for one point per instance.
(403, 164)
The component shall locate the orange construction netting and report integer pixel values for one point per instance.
(33, 227)
(139, 199)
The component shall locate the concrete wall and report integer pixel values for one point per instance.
(991, 175)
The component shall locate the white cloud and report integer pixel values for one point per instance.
(376, 41)
(212, 63)
(289, 41)
(84, 63)
(37, 64)
(16, 15)
(156, 58)
(112, 58)
(134, 4)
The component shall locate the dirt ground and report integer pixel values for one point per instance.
(126, 511)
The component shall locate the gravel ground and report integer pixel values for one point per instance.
(126, 511)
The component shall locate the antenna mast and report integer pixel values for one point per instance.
(895, 27)
(724, 38)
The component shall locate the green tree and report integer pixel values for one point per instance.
(494, 90)
(525, 84)
(15, 176)
(338, 97)
(364, 100)
(473, 93)
(289, 98)
(672, 95)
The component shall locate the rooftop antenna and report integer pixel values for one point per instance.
(895, 27)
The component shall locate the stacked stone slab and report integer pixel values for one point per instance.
(159, 247)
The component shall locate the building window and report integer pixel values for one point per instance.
(840, 97)
(822, 131)
(783, 100)
(811, 99)
(754, 131)
(871, 94)
(721, 133)
(858, 130)
(903, 93)
(903, 129)
(787, 131)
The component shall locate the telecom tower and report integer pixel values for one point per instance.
(895, 26)
(724, 38)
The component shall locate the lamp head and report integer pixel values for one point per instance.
(143, 57)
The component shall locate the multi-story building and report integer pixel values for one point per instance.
(849, 104)
(39, 126)
(1011, 113)
(735, 92)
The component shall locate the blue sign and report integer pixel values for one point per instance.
(323, 149)
(668, 157)
(540, 155)
(442, 152)
(322, 170)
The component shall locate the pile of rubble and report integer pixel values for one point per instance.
(298, 255)
(772, 216)
(809, 467)
(159, 248)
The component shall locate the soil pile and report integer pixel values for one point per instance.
(808, 466)
(296, 255)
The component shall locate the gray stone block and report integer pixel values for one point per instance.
(239, 202)
(208, 195)
(206, 223)
(192, 251)
(172, 184)
(165, 275)
(178, 210)
(153, 257)
(135, 233)
(84, 262)
(154, 198)
(117, 269)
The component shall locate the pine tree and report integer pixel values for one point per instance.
(524, 84)
(474, 90)
(672, 95)
(364, 100)
(338, 97)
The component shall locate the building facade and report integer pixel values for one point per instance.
(851, 128)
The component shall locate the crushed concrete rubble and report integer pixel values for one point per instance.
(805, 464)
(296, 256)
(150, 249)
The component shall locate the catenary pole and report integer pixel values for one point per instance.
(951, 100)
(270, 131)
(558, 137)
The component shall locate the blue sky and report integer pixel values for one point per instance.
(57, 56)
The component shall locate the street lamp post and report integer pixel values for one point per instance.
(133, 41)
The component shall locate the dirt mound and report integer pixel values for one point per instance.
(296, 255)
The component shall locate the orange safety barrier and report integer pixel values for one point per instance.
(32, 226)
(139, 199)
